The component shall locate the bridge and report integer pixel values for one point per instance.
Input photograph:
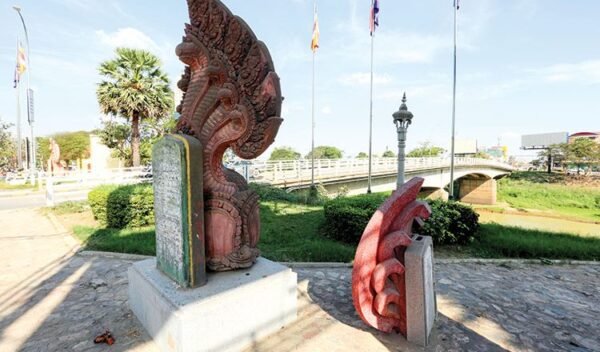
(475, 178)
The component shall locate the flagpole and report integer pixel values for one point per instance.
(451, 189)
(312, 148)
(371, 105)
(19, 147)
(371, 117)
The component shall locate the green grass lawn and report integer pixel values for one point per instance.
(292, 232)
(498, 241)
(289, 232)
(8, 187)
(528, 190)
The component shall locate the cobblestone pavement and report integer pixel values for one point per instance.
(51, 300)
(482, 307)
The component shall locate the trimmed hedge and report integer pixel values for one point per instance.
(450, 222)
(123, 206)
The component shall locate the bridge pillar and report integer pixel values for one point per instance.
(432, 194)
(477, 190)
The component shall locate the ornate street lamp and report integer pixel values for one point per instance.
(402, 119)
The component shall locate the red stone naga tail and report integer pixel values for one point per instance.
(378, 288)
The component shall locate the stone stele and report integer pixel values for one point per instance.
(232, 99)
(379, 274)
(179, 210)
(421, 305)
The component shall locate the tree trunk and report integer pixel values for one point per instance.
(135, 138)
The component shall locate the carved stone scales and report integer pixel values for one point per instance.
(232, 99)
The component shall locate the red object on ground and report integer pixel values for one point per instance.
(378, 288)
(106, 338)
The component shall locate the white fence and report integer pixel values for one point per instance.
(83, 179)
(293, 171)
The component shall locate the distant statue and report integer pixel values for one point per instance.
(232, 99)
(54, 164)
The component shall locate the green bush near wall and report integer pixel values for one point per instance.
(450, 222)
(120, 207)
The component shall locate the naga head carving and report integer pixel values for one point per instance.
(232, 96)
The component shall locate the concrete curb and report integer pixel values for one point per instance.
(113, 255)
(71, 241)
(516, 261)
(460, 261)
(305, 265)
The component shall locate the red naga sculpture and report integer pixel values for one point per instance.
(232, 99)
(378, 287)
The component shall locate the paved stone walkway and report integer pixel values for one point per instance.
(51, 300)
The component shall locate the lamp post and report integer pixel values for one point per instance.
(30, 117)
(402, 119)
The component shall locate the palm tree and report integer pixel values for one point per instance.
(135, 88)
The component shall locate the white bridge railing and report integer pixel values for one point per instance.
(297, 171)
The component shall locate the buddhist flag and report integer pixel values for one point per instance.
(374, 20)
(21, 64)
(314, 45)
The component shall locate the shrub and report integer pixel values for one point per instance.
(123, 206)
(98, 199)
(347, 217)
(450, 222)
(270, 193)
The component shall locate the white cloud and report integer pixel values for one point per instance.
(584, 72)
(364, 78)
(510, 135)
(435, 92)
(326, 110)
(130, 38)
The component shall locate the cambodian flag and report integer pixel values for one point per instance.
(374, 22)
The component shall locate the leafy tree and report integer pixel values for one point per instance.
(582, 152)
(135, 88)
(42, 151)
(425, 149)
(326, 152)
(73, 145)
(389, 154)
(284, 153)
(7, 149)
(116, 134)
(362, 155)
(558, 153)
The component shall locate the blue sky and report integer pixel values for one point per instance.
(525, 66)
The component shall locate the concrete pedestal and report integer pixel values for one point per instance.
(230, 312)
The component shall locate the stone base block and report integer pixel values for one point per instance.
(233, 310)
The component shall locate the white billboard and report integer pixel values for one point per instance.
(543, 140)
(465, 146)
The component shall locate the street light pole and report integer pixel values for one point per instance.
(30, 118)
(402, 119)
